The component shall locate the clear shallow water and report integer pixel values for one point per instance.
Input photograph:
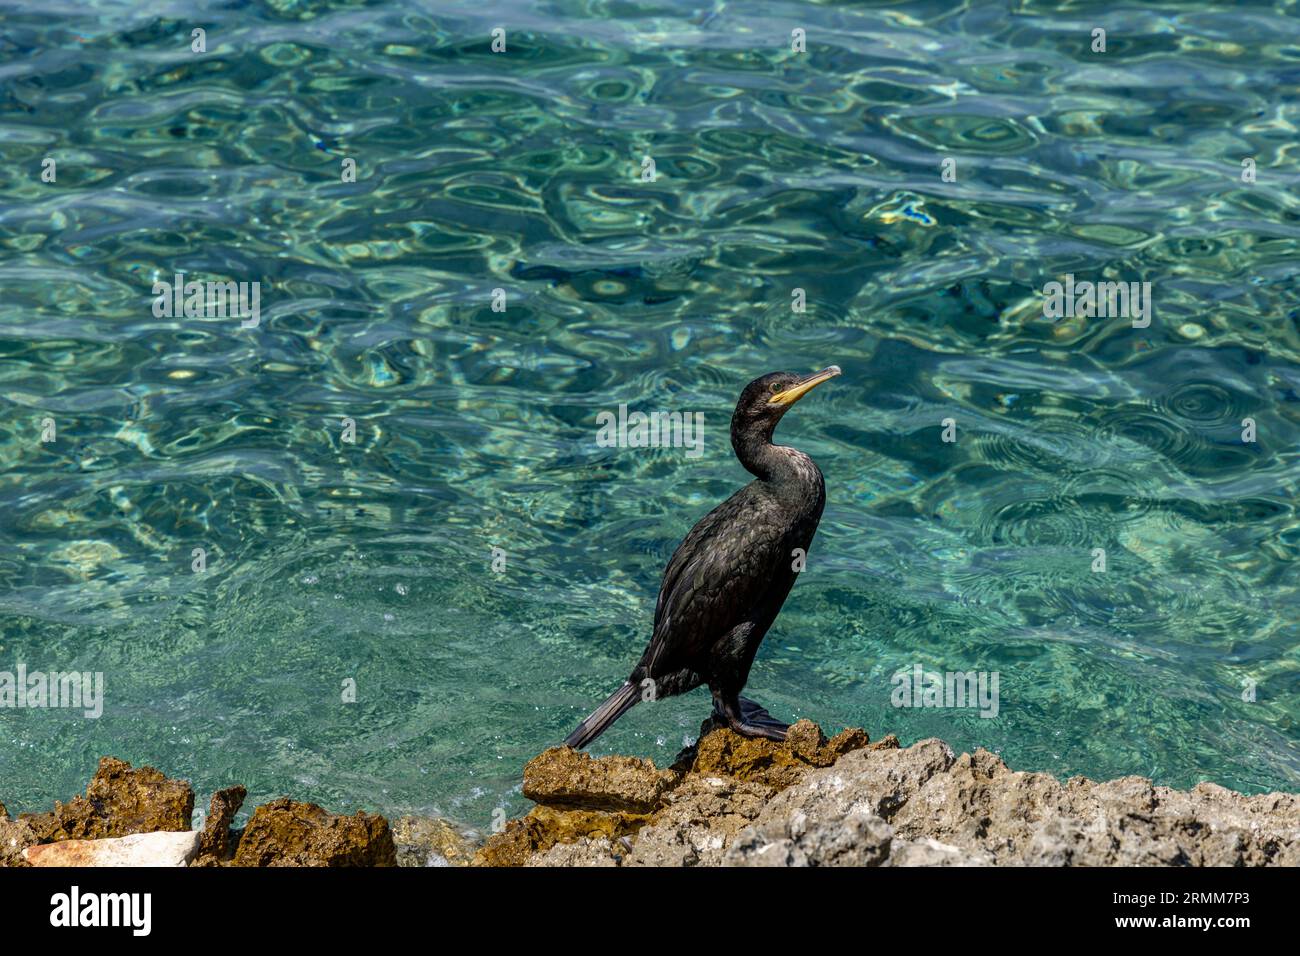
(372, 562)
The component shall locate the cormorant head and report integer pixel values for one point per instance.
(765, 400)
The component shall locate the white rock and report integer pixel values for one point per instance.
(164, 848)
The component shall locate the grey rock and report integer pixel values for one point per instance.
(735, 802)
(927, 852)
(860, 839)
(700, 820)
(588, 851)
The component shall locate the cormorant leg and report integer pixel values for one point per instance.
(747, 718)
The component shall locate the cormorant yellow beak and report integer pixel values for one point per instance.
(798, 391)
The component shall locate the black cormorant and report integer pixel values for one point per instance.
(728, 578)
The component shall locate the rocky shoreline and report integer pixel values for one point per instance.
(141, 817)
(725, 801)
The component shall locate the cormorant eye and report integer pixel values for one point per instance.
(776, 387)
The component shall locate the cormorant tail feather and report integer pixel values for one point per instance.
(615, 706)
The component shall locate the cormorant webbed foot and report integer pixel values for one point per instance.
(758, 730)
(750, 719)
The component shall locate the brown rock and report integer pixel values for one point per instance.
(214, 843)
(543, 827)
(15, 837)
(119, 801)
(565, 777)
(804, 740)
(723, 752)
(853, 738)
(287, 833)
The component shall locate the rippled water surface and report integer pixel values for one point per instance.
(329, 561)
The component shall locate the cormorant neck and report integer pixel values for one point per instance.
(752, 443)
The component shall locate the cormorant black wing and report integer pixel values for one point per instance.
(724, 569)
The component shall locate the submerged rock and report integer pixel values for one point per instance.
(164, 848)
(287, 833)
(430, 841)
(119, 801)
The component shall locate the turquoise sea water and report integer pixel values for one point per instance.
(330, 561)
